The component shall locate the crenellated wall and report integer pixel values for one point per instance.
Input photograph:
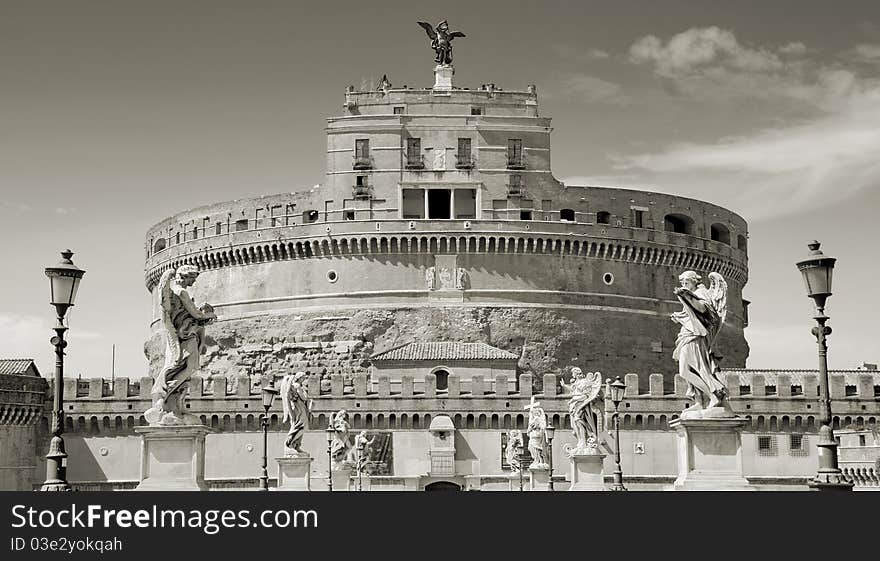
(23, 404)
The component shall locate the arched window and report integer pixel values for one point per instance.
(442, 379)
(603, 217)
(678, 223)
(719, 233)
(566, 215)
(159, 245)
(741, 242)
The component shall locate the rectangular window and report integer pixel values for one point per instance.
(638, 218)
(797, 445)
(288, 214)
(850, 391)
(797, 390)
(218, 228)
(499, 204)
(241, 225)
(362, 149)
(310, 216)
(259, 215)
(361, 180)
(514, 152)
(399, 110)
(177, 237)
(525, 215)
(476, 110)
(515, 185)
(465, 201)
(414, 152)
(862, 440)
(195, 233)
(464, 149)
(413, 204)
(276, 215)
(439, 204)
(766, 445)
(348, 215)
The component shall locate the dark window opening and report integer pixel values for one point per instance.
(439, 203)
(795, 442)
(850, 391)
(720, 233)
(463, 158)
(603, 217)
(514, 153)
(566, 215)
(476, 110)
(218, 228)
(195, 233)
(362, 153)
(638, 218)
(413, 203)
(310, 216)
(399, 110)
(348, 215)
(159, 245)
(678, 223)
(241, 225)
(741, 242)
(525, 215)
(442, 379)
(177, 237)
(515, 186)
(414, 153)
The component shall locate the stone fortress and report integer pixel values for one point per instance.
(441, 269)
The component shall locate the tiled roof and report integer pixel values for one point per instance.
(445, 351)
(15, 365)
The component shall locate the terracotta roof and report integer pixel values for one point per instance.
(445, 351)
(15, 365)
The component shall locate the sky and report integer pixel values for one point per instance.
(115, 115)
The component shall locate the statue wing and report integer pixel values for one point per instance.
(455, 34)
(167, 325)
(285, 396)
(429, 29)
(718, 295)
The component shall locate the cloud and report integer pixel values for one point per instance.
(783, 169)
(580, 54)
(867, 53)
(598, 53)
(63, 211)
(15, 207)
(712, 64)
(592, 89)
(27, 336)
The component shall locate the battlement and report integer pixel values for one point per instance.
(774, 400)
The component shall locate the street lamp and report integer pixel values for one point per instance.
(64, 281)
(817, 269)
(525, 458)
(330, 434)
(549, 432)
(615, 391)
(361, 447)
(268, 392)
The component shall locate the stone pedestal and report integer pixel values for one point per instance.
(443, 77)
(513, 481)
(172, 458)
(539, 478)
(294, 473)
(341, 479)
(709, 454)
(587, 472)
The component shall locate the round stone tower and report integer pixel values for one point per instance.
(440, 220)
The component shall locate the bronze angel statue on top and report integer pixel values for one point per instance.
(441, 40)
(703, 313)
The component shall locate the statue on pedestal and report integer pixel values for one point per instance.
(586, 409)
(182, 327)
(537, 435)
(340, 447)
(429, 278)
(297, 409)
(441, 40)
(701, 318)
(361, 446)
(514, 449)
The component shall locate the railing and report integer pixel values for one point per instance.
(464, 161)
(415, 161)
(362, 192)
(364, 162)
(516, 163)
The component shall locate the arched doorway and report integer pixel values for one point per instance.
(442, 379)
(442, 486)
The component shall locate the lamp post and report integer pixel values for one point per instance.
(816, 270)
(615, 391)
(361, 446)
(330, 434)
(64, 281)
(524, 459)
(269, 392)
(549, 432)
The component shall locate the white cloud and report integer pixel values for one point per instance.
(15, 207)
(711, 63)
(592, 89)
(27, 336)
(598, 53)
(784, 169)
(865, 53)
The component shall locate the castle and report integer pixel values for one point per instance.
(441, 269)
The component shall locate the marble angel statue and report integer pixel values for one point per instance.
(297, 409)
(537, 432)
(514, 449)
(182, 327)
(702, 315)
(340, 446)
(586, 408)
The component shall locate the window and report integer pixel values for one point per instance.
(850, 391)
(515, 185)
(476, 110)
(741, 242)
(464, 203)
(766, 445)
(797, 445)
(608, 278)
(276, 213)
(348, 215)
(678, 223)
(159, 245)
(177, 237)
(514, 153)
(310, 216)
(439, 204)
(745, 390)
(770, 390)
(638, 218)
(360, 180)
(525, 215)
(413, 204)
(720, 233)
(603, 217)
(797, 390)
(399, 110)
(362, 154)
(218, 228)
(442, 379)
(195, 233)
(241, 225)
(463, 157)
(566, 215)
(288, 213)
(862, 440)
(414, 153)
(259, 214)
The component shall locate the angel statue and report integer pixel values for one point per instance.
(441, 40)
(297, 409)
(340, 446)
(362, 445)
(514, 449)
(586, 409)
(182, 327)
(701, 319)
(537, 431)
